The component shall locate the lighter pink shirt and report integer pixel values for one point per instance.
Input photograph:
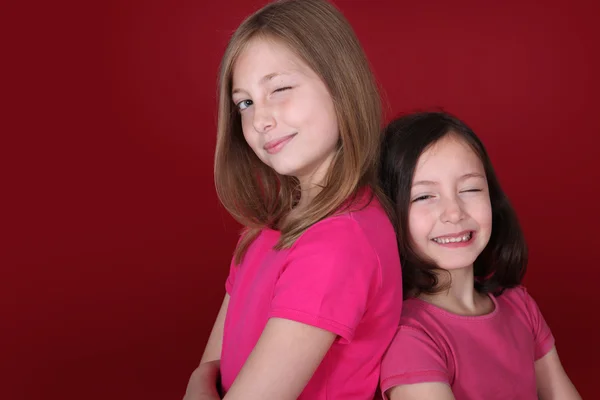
(484, 357)
(343, 275)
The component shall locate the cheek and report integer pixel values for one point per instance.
(248, 131)
(315, 110)
(483, 214)
(329, 121)
(419, 225)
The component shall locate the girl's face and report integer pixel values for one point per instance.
(450, 214)
(288, 117)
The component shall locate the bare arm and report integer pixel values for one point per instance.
(203, 381)
(421, 391)
(552, 380)
(282, 362)
(212, 351)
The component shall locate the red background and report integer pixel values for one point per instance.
(116, 248)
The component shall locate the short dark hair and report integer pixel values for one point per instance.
(503, 262)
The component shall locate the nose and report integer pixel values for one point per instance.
(452, 211)
(264, 120)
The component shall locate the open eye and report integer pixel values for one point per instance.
(242, 105)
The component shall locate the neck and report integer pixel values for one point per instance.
(461, 297)
(313, 182)
(307, 194)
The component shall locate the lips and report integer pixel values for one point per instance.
(277, 144)
(454, 239)
(454, 235)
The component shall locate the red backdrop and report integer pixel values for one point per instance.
(117, 248)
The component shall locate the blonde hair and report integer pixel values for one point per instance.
(254, 194)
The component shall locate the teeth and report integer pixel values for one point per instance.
(462, 238)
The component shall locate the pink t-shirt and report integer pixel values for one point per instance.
(343, 275)
(482, 357)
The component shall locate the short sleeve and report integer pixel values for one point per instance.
(413, 357)
(329, 277)
(544, 340)
(233, 268)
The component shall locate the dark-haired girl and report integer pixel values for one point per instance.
(468, 330)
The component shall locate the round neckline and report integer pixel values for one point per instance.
(425, 304)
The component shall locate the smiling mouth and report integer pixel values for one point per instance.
(454, 239)
(275, 145)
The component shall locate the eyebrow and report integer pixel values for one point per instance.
(462, 178)
(264, 79)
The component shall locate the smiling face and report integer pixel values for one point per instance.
(450, 215)
(287, 114)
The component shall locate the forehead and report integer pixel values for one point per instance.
(448, 156)
(263, 56)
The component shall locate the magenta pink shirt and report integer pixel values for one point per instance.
(343, 275)
(484, 357)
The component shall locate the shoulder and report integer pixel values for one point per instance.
(517, 302)
(368, 211)
(367, 227)
(418, 352)
(420, 316)
(418, 325)
(336, 248)
(417, 322)
(527, 310)
(517, 292)
(337, 227)
(430, 323)
(517, 298)
(363, 213)
(346, 229)
(340, 238)
(364, 222)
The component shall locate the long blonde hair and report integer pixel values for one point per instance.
(251, 191)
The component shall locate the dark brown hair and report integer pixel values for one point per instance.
(253, 192)
(503, 262)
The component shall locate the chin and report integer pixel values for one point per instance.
(280, 168)
(452, 265)
(289, 169)
(285, 171)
